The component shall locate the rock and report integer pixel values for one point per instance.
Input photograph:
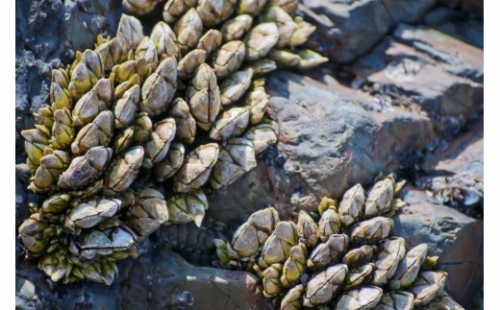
(476, 6)
(456, 24)
(424, 66)
(163, 280)
(456, 174)
(456, 238)
(330, 142)
(33, 291)
(92, 295)
(348, 29)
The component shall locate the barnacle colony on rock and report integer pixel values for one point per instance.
(345, 261)
(143, 103)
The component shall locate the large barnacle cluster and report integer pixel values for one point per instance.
(185, 106)
(345, 261)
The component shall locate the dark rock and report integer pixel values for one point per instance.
(456, 24)
(92, 295)
(348, 29)
(456, 238)
(476, 6)
(33, 291)
(330, 142)
(456, 175)
(424, 66)
(163, 280)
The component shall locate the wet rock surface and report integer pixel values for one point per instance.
(410, 101)
(348, 29)
(163, 280)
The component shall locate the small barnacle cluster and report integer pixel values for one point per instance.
(185, 105)
(346, 260)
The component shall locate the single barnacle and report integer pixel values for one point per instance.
(112, 52)
(286, 25)
(427, 286)
(284, 58)
(324, 285)
(358, 275)
(148, 212)
(35, 233)
(210, 11)
(56, 203)
(140, 7)
(204, 97)
(329, 252)
(123, 171)
(44, 117)
(360, 299)
(87, 214)
(310, 59)
(235, 159)
(380, 197)
(294, 266)
(190, 62)
(261, 66)
(176, 8)
(125, 109)
(92, 103)
(290, 6)
(130, 31)
(185, 208)
(260, 40)
(301, 33)
(128, 69)
(123, 87)
(171, 163)
(95, 243)
(396, 300)
(408, 268)
(158, 144)
(359, 256)
(85, 169)
(159, 88)
(351, 205)
(97, 133)
(188, 29)
(143, 126)
(306, 229)
(62, 130)
(329, 222)
(235, 28)
(165, 40)
(293, 298)
(210, 41)
(231, 123)
(252, 7)
(59, 96)
(47, 174)
(373, 229)
(271, 280)
(277, 247)
(85, 72)
(37, 140)
(391, 252)
(235, 85)
(228, 58)
(263, 135)
(186, 124)
(196, 169)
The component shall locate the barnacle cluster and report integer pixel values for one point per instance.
(345, 261)
(185, 105)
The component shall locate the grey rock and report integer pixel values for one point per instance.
(424, 66)
(330, 142)
(455, 175)
(92, 295)
(456, 238)
(456, 24)
(163, 280)
(33, 291)
(348, 29)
